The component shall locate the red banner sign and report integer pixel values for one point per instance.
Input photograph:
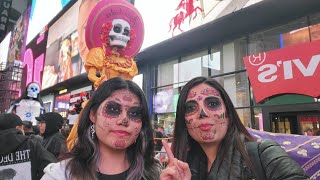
(294, 69)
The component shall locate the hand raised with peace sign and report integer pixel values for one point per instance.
(176, 169)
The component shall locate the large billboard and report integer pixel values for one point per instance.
(18, 39)
(42, 12)
(167, 18)
(63, 60)
(33, 59)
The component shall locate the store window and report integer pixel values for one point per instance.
(277, 37)
(258, 119)
(165, 100)
(237, 87)
(166, 121)
(309, 124)
(191, 66)
(244, 115)
(166, 73)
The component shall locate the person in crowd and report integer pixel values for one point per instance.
(36, 129)
(210, 142)
(157, 141)
(50, 124)
(20, 156)
(161, 130)
(28, 131)
(309, 132)
(115, 138)
(65, 130)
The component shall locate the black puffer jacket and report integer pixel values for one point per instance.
(274, 160)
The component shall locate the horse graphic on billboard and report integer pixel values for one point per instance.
(187, 9)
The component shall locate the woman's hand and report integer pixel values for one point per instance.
(176, 169)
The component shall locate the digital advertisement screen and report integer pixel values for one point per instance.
(178, 16)
(61, 104)
(18, 39)
(42, 12)
(4, 47)
(77, 98)
(33, 60)
(63, 59)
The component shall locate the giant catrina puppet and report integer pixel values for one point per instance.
(114, 35)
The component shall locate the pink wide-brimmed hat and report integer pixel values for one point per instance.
(100, 20)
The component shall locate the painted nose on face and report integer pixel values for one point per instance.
(124, 122)
(203, 114)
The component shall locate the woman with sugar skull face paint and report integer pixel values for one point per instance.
(210, 142)
(115, 138)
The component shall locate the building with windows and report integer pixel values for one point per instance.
(217, 48)
(185, 39)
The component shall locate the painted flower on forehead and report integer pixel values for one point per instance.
(210, 91)
(191, 95)
(127, 97)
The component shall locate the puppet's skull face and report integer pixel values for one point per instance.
(33, 90)
(120, 33)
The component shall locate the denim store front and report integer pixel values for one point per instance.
(217, 48)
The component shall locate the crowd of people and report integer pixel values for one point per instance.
(116, 140)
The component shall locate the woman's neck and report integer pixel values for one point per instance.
(211, 151)
(112, 161)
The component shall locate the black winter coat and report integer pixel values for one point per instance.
(22, 157)
(275, 162)
(55, 144)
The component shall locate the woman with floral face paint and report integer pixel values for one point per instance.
(115, 137)
(213, 142)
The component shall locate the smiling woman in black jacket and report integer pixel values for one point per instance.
(213, 142)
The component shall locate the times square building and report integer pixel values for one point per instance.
(213, 44)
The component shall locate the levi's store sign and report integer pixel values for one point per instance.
(294, 69)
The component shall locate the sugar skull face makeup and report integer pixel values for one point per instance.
(205, 114)
(118, 120)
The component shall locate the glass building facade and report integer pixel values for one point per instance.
(224, 63)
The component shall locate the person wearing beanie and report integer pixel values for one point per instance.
(49, 125)
(18, 153)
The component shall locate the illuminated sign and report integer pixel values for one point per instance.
(178, 16)
(34, 59)
(42, 12)
(63, 91)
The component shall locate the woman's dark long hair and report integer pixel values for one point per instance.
(85, 154)
(184, 143)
